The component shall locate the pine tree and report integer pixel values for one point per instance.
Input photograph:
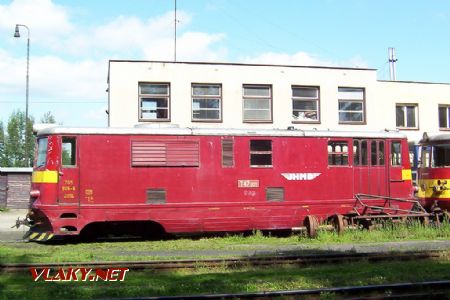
(3, 158)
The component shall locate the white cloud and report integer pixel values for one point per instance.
(302, 59)
(43, 17)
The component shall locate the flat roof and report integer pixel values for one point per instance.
(238, 64)
(16, 170)
(172, 130)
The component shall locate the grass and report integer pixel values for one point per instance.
(221, 280)
(224, 280)
(231, 245)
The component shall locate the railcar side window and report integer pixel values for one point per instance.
(359, 153)
(396, 154)
(68, 151)
(441, 156)
(41, 152)
(337, 153)
(227, 153)
(377, 153)
(261, 153)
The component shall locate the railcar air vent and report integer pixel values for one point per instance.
(165, 153)
(275, 194)
(227, 153)
(156, 196)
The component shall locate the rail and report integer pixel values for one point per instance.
(305, 259)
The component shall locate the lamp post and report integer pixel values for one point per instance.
(17, 35)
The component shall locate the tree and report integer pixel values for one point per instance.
(3, 158)
(48, 118)
(18, 141)
(17, 144)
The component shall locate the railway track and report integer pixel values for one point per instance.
(416, 290)
(309, 259)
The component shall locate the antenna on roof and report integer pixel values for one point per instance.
(175, 35)
(392, 61)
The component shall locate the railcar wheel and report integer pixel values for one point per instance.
(339, 223)
(311, 224)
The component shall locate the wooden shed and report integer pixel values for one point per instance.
(15, 186)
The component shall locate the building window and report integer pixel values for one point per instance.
(154, 101)
(444, 116)
(351, 105)
(261, 153)
(406, 116)
(206, 102)
(257, 103)
(305, 104)
(337, 153)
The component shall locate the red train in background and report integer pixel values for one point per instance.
(181, 180)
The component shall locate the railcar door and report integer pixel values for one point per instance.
(361, 166)
(378, 170)
(68, 189)
(369, 164)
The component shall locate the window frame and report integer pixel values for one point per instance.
(396, 159)
(260, 98)
(206, 97)
(447, 110)
(306, 99)
(142, 96)
(72, 140)
(260, 152)
(341, 154)
(348, 99)
(405, 116)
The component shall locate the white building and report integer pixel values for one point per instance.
(229, 95)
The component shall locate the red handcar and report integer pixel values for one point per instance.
(181, 180)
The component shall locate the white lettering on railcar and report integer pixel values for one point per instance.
(300, 176)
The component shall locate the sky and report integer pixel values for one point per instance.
(71, 42)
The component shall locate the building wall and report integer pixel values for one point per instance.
(15, 184)
(380, 96)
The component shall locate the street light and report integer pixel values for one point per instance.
(17, 35)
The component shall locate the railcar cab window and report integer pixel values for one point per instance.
(261, 153)
(396, 153)
(425, 157)
(41, 158)
(441, 156)
(154, 101)
(69, 152)
(337, 153)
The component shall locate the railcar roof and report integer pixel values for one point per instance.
(435, 138)
(215, 131)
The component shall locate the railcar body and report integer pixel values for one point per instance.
(434, 172)
(201, 180)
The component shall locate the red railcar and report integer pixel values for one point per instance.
(200, 180)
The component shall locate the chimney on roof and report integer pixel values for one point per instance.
(392, 61)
